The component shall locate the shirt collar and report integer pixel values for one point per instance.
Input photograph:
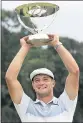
(54, 100)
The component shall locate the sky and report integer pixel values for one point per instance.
(68, 21)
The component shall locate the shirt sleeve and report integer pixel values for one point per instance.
(69, 105)
(22, 107)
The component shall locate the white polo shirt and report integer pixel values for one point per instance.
(57, 110)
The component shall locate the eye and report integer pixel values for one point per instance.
(36, 81)
(45, 79)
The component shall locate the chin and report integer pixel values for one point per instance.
(43, 94)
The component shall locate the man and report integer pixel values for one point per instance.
(46, 108)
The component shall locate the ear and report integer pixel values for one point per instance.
(33, 84)
(54, 83)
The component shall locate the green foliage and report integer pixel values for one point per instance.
(36, 58)
(9, 115)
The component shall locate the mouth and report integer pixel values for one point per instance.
(42, 87)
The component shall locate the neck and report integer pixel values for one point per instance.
(45, 99)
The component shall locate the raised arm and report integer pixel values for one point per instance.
(72, 81)
(14, 87)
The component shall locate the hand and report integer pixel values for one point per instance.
(24, 43)
(54, 38)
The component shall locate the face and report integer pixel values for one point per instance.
(43, 85)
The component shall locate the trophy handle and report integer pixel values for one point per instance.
(34, 31)
(31, 30)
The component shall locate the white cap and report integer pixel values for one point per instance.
(41, 71)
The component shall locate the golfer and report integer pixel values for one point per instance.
(46, 108)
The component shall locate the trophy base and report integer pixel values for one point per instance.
(38, 40)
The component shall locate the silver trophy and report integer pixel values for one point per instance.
(31, 16)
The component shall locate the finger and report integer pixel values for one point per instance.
(51, 36)
(56, 37)
(25, 38)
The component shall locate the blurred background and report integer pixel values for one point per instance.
(69, 25)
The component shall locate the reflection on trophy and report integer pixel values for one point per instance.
(36, 13)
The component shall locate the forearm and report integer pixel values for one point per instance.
(16, 63)
(67, 59)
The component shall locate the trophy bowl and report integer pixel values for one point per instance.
(32, 15)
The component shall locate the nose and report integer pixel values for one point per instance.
(41, 82)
